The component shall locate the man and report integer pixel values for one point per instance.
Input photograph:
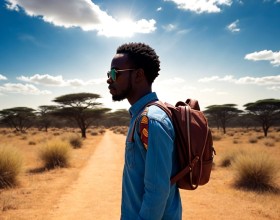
(149, 153)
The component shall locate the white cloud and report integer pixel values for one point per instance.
(273, 57)
(3, 77)
(83, 14)
(266, 80)
(274, 88)
(126, 27)
(227, 78)
(233, 27)
(159, 9)
(171, 81)
(49, 80)
(169, 27)
(43, 79)
(26, 89)
(201, 6)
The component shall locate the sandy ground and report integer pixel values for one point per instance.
(96, 193)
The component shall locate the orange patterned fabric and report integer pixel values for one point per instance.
(144, 130)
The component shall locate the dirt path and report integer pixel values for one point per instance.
(97, 192)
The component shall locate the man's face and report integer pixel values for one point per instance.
(121, 86)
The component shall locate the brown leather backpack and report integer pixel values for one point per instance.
(193, 141)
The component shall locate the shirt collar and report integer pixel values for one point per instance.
(141, 103)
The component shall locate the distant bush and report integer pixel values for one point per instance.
(255, 171)
(102, 130)
(10, 166)
(75, 141)
(269, 142)
(253, 140)
(55, 153)
(32, 143)
(236, 140)
(229, 158)
(119, 129)
(94, 133)
(216, 137)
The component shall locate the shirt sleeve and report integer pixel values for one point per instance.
(158, 168)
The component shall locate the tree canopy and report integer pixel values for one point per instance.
(20, 118)
(80, 108)
(221, 114)
(265, 111)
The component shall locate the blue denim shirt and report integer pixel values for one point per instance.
(146, 189)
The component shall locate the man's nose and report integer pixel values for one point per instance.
(109, 80)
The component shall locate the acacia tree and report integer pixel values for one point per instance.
(222, 113)
(45, 117)
(80, 108)
(265, 111)
(20, 118)
(120, 117)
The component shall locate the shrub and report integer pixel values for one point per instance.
(255, 171)
(227, 161)
(56, 153)
(269, 142)
(253, 140)
(102, 131)
(10, 166)
(216, 137)
(75, 141)
(236, 140)
(32, 143)
(94, 133)
(229, 158)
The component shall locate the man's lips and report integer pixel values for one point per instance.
(111, 88)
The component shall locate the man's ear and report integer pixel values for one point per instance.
(140, 75)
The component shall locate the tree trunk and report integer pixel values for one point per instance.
(265, 130)
(83, 131)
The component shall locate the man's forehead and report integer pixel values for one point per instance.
(120, 59)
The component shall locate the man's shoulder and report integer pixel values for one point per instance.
(156, 113)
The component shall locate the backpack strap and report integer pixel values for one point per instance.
(144, 122)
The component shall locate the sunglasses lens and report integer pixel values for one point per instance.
(112, 74)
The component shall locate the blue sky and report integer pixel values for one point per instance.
(219, 51)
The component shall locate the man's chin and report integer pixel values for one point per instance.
(118, 98)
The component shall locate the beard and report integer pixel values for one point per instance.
(124, 93)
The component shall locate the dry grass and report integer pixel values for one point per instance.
(74, 140)
(38, 191)
(120, 130)
(55, 153)
(255, 171)
(10, 166)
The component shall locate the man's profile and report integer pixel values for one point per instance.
(149, 151)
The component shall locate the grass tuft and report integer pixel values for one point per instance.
(10, 166)
(255, 171)
(75, 141)
(56, 153)
(216, 137)
(229, 157)
(253, 140)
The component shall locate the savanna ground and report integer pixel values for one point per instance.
(90, 187)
